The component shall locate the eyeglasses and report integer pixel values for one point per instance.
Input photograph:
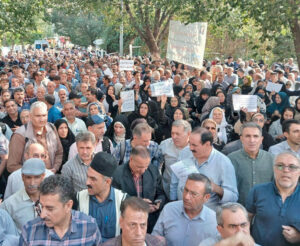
(210, 128)
(39, 156)
(259, 120)
(291, 168)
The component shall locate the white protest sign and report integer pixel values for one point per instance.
(162, 88)
(128, 101)
(245, 101)
(273, 87)
(186, 43)
(126, 65)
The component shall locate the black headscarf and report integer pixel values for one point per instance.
(200, 101)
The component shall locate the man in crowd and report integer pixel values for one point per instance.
(58, 223)
(8, 232)
(15, 182)
(53, 112)
(233, 227)
(275, 205)
(36, 130)
(139, 178)
(19, 98)
(20, 205)
(141, 135)
(291, 130)
(76, 168)
(12, 119)
(75, 124)
(189, 221)
(210, 162)
(171, 148)
(252, 165)
(100, 200)
(133, 222)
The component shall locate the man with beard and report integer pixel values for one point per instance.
(20, 205)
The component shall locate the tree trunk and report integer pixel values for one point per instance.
(153, 48)
(295, 28)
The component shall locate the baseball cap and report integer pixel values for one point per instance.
(33, 166)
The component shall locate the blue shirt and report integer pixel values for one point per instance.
(180, 230)
(54, 114)
(264, 201)
(105, 215)
(219, 169)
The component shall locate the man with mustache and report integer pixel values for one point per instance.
(21, 205)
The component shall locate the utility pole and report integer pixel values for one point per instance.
(121, 30)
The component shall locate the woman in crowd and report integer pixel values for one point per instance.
(211, 125)
(281, 101)
(110, 102)
(67, 138)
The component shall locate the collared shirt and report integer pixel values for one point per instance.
(282, 147)
(77, 126)
(155, 153)
(83, 231)
(105, 215)
(170, 154)
(218, 168)
(15, 182)
(265, 202)
(8, 232)
(20, 207)
(250, 172)
(179, 229)
(76, 170)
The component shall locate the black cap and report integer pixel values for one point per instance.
(73, 95)
(104, 164)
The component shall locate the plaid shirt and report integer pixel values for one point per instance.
(83, 231)
(155, 153)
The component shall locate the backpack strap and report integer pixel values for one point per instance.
(106, 145)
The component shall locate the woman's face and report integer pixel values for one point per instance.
(287, 115)
(221, 96)
(189, 89)
(262, 92)
(245, 80)
(298, 105)
(110, 90)
(211, 127)
(178, 115)
(204, 97)
(217, 116)
(187, 96)
(277, 99)
(174, 102)
(63, 130)
(143, 110)
(94, 110)
(119, 129)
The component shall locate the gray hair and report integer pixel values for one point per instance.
(201, 178)
(140, 151)
(58, 184)
(141, 128)
(251, 125)
(186, 125)
(38, 104)
(69, 102)
(85, 136)
(287, 153)
(233, 207)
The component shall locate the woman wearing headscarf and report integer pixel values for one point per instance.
(224, 130)
(280, 102)
(118, 131)
(246, 87)
(297, 109)
(208, 106)
(110, 102)
(67, 138)
(94, 108)
(202, 99)
(260, 91)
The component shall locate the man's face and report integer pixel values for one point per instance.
(11, 108)
(233, 222)
(98, 130)
(51, 87)
(138, 165)
(274, 78)
(194, 196)
(54, 212)
(14, 82)
(251, 139)
(19, 96)
(30, 90)
(143, 140)
(199, 150)
(259, 120)
(286, 171)
(40, 93)
(62, 95)
(85, 150)
(220, 77)
(69, 111)
(32, 183)
(5, 96)
(211, 127)
(179, 136)
(39, 117)
(4, 84)
(36, 151)
(134, 227)
(25, 117)
(96, 183)
(293, 136)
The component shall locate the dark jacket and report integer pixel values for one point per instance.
(152, 187)
(150, 241)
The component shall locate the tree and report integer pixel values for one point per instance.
(83, 28)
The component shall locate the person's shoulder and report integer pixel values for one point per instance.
(166, 142)
(80, 217)
(225, 159)
(37, 222)
(234, 154)
(172, 207)
(265, 187)
(152, 240)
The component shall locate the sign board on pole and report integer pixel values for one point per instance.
(186, 43)
(126, 65)
(98, 42)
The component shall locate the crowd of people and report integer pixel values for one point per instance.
(187, 170)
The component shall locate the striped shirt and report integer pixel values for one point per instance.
(83, 231)
(76, 170)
